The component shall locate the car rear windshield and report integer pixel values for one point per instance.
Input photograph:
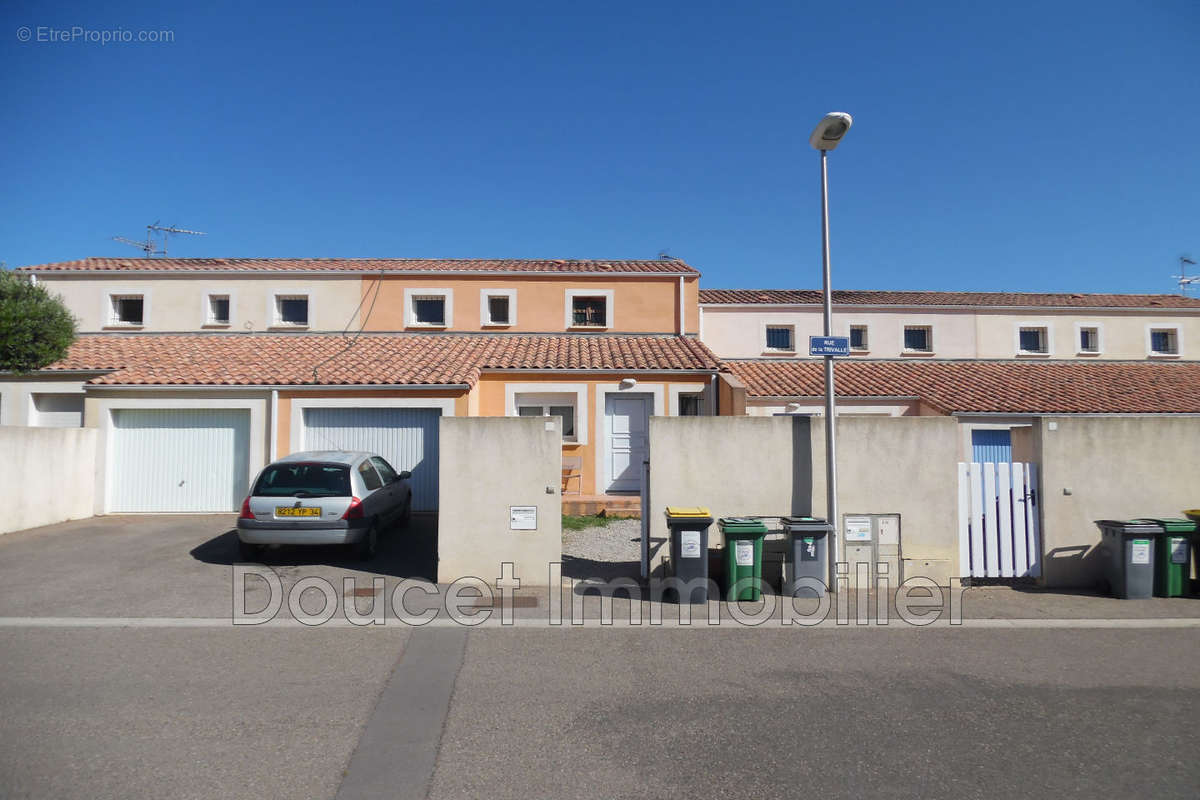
(304, 479)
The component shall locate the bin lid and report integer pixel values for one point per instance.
(688, 511)
(1173, 524)
(806, 523)
(1142, 527)
(748, 525)
(1193, 514)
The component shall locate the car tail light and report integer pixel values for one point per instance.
(246, 512)
(355, 511)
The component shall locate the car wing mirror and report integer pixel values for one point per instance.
(403, 476)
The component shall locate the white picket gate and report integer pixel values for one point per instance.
(999, 535)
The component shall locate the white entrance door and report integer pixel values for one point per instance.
(407, 438)
(179, 460)
(626, 440)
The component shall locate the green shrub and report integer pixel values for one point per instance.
(35, 327)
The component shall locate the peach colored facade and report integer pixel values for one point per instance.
(497, 395)
(538, 303)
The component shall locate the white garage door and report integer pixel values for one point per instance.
(406, 437)
(179, 460)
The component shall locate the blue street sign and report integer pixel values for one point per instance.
(829, 345)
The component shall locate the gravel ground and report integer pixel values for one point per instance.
(603, 553)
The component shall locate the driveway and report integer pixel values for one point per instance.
(173, 565)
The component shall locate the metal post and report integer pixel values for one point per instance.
(831, 508)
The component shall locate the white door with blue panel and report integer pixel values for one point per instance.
(626, 440)
(407, 438)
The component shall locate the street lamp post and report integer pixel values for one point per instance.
(825, 137)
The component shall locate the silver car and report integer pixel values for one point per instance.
(324, 497)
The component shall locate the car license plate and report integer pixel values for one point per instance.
(289, 511)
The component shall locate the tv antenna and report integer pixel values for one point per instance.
(1184, 279)
(151, 247)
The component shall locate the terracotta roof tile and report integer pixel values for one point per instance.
(1044, 387)
(422, 359)
(848, 297)
(369, 265)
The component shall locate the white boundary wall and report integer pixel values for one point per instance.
(47, 475)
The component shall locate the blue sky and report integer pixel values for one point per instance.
(1034, 146)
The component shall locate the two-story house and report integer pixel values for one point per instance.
(993, 359)
(773, 323)
(199, 371)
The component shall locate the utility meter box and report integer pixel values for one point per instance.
(873, 540)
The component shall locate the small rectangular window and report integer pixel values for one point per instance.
(1089, 340)
(127, 309)
(918, 338)
(563, 412)
(567, 415)
(218, 309)
(780, 337)
(589, 311)
(691, 405)
(858, 337)
(291, 310)
(498, 310)
(429, 310)
(1164, 342)
(1032, 340)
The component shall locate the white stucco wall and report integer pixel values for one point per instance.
(16, 401)
(46, 475)
(178, 303)
(740, 331)
(487, 466)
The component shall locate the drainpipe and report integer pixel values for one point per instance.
(681, 325)
(274, 449)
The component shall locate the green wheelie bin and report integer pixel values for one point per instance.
(1172, 556)
(743, 537)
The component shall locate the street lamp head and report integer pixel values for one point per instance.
(830, 130)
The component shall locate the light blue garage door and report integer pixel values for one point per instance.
(406, 437)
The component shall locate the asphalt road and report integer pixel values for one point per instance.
(831, 714)
(118, 713)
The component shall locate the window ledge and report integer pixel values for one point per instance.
(1088, 353)
(917, 353)
(427, 326)
(779, 352)
(1164, 355)
(124, 326)
(283, 326)
(854, 351)
(496, 325)
(1026, 354)
(216, 325)
(588, 328)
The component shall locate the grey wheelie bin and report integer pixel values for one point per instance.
(807, 556)
(1128, 550)
(689, 552)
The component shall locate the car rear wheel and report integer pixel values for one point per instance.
(366, 547)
